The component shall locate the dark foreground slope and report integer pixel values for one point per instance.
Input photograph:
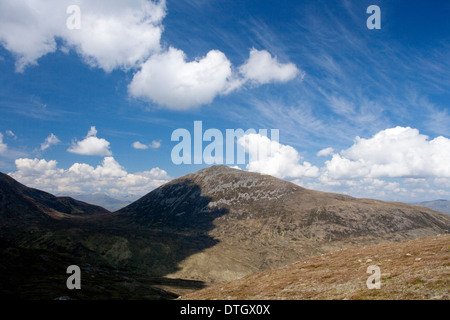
(260, 222)
(415, 269)
(21, 205)
(211, 226)
(37, 274)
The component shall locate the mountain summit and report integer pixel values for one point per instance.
(21, 206)
(211, 226)
(261, 222)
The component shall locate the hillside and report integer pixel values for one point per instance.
(211, 226)
(259, 222)
(22, 207)
(416, 269)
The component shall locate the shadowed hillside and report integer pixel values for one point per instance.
(270, 222)
(212, 226)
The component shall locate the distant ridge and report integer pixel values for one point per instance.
(102, 200)
(440, 205)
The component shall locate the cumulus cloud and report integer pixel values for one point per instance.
(262, 68)
(108, 177)
(400, 152)
(49, 141)
(271, 157)
(126, 34)
(168, 79)
(398, 164)
(91, 145)
(154, 145)
(113, 33)
(325, 152)
(139, 145)
(3, 146)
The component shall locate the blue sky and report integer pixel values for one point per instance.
(363, 112)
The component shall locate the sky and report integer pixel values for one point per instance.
(91, 93)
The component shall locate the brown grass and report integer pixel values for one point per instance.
(417, 269)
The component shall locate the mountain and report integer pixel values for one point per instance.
(21, 206)
(437, 205)
(211, 226)
(260, 222)
(102, 200)
(410, 270)
(41, 235)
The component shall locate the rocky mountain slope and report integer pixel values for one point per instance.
(260, 222)
(415, 269)
(211, 226)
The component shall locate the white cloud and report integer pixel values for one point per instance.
(11, 134)
(3, 146)
(139, 145)
(49, 141)
(270, 157)
(397, 164)
(91, 145)
(167, 79)
(262, 68)
(393, 153)
(108, 177)
(113, 33)
(92, 132)
(325, 152)
(155, 144)
(126, 34)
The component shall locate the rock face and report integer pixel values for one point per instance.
(260, 222)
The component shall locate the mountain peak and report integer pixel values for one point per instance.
(260, 222)
(20, 204)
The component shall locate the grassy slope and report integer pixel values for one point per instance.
(416, 269)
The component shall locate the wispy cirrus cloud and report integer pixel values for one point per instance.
(51, 140)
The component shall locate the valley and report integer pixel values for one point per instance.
(204, 229)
